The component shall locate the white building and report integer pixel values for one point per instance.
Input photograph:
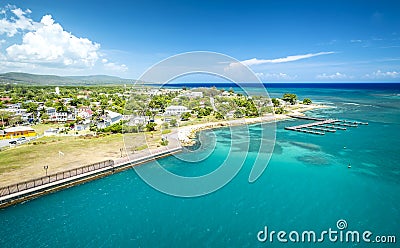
(61, 116)
(193, 94)
(109, 119)
(85, 112)
(113, 117)
(176, 110)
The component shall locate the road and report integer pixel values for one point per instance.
(6, 142)
(213, 103)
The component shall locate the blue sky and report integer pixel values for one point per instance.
(282, 41)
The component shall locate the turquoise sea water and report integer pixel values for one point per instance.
(306, 186)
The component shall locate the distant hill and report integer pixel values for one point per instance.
(35, 79)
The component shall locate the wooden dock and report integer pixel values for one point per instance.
(320, 126)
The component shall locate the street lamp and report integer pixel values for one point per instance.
(46, 167)
(121, 150)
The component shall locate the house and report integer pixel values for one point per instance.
(14, 105)
(15, 111)
(176, 110)
(51, 132)
(3, 99)
(132, 120)
(225, 93)
(50, 111)
(109, 119)
(193, 94)
(230, 114)
(81, 127)
(85, 112)
(113, 117)
(27, 117)
(16, 132)
(140, 120)
(61, 116)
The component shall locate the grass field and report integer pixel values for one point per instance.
(26, 161)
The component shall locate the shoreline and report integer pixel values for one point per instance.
(187, 134)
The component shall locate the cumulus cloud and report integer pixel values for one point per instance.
(50, 44)
(336, 75)
(255, 61)
(17, 22)
(383, 75)
(275, 76)
(46, 44)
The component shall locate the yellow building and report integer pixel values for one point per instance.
(17, 132)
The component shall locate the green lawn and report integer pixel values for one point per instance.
(26, 161)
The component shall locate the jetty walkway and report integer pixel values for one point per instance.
(321, 125)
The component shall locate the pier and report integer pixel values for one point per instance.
(321, 125)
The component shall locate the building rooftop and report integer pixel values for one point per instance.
(18, 129)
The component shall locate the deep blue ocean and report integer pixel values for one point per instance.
(306, 186)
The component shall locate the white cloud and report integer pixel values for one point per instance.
(336, 75)
(291, 58)
(114, 66)
(355, 41)
(46, 44)
(50, 44)
(17, 22)
(275, 76)
(383, 75)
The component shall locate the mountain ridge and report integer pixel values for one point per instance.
(40, 79)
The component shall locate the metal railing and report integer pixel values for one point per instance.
(18, 187)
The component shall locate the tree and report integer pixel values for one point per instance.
(115, 128)
(291, 98)
(60, 107)
(13, 120)
(238, 113)
(151, 126)
(48, 103)
(307, 101)
(140, 127)
(173, 122)
(44, 116)
(279, 111)
(164, 142)
(165, 125)
(30, 107)
(218, 116)
(185, 116)
(275, 102)
(5, 117)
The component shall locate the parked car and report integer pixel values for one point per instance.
(21, 140)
